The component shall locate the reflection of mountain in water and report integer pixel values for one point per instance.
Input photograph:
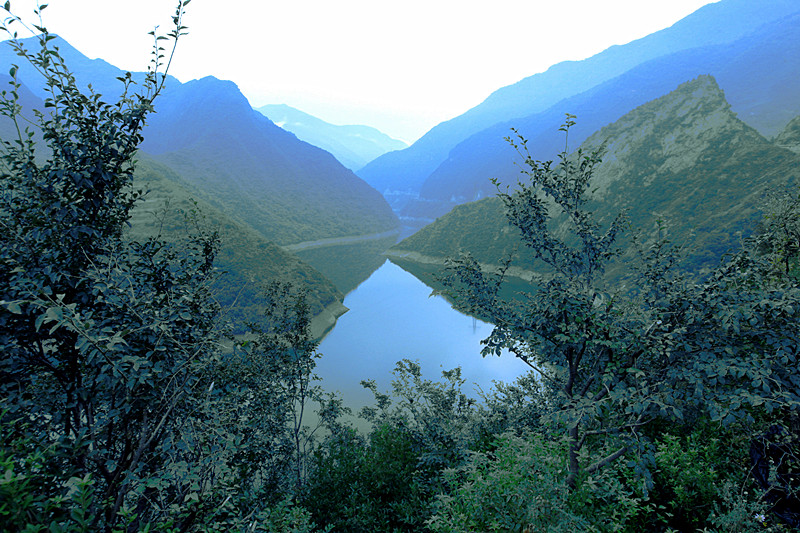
(392, 316)
(348, 265)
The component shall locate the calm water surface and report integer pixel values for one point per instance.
(392, 317)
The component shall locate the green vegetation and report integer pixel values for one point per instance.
(616, 366)
(125, 405)
(348, 265)
(245, 258)
(121, 408)
(270, 205)
(242, 164)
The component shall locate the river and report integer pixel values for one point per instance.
(392, 317)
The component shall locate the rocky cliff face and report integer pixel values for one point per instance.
(687, 161)
(669, 137)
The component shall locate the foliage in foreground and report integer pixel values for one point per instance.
(615, 364)
(124, 407)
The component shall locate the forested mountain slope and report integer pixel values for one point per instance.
(238, 160)
(683, 161)
(288, 190)
(246, 260)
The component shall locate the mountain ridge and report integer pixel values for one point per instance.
(353, 145)
(238, 160)
(205, 141)
(408, 168)
(464, 176)
(287, 189)
(684, 159)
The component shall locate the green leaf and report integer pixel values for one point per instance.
(13, 307)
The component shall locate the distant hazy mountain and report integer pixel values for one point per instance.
(717, 23)
(760, 74)
(684, 159)
(353, 146)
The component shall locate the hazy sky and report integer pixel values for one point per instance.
(401, 66)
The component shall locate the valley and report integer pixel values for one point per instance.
(572, 307)
(286, 209)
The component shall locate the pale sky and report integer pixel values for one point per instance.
(400, 66)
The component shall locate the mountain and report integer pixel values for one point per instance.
(684, 160)
(97, 72)
(790, 136)
(246, 259)
(760, 74)
(353, 146)
(717, 23)
(236, 159)
(256, 182)
(288, 190)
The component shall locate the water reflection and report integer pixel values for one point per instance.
(393, 317)
(347, 266)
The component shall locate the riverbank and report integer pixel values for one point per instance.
(339, 241)
(521, 274)
(324, 321)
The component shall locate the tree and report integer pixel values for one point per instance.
(103, 338)
(612, 359)
(280, 359)
(125, 404)
(388, 481)
(779, 234)
(584, 340)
